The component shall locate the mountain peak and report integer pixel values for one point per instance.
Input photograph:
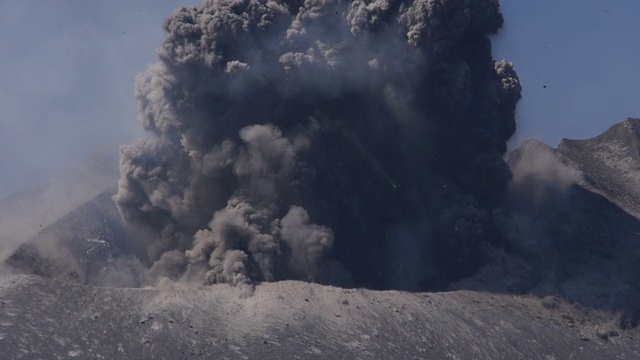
(610, 163)
(624, 135)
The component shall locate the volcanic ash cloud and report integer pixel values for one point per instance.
(292, 139)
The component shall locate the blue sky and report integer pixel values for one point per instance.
(68, 67)
(579, 64)
(66, 84)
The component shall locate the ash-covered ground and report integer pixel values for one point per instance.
(48, 319)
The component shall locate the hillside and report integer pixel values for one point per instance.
(609, 164)
(26, 213)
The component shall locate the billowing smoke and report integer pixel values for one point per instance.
(539, 177)
(344, 142)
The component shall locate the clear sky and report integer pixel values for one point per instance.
(68, 67)
(579, 64)
(66, 79)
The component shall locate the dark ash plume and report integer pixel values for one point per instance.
(301, 139)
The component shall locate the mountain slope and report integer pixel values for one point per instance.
(610, 163)
(576, 222)
(24, 214)
(89, 245)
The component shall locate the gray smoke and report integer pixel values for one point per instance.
(298, 139)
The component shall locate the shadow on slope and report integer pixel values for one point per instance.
(87, 246)
(573, 226)
(579, 246)
(27, 212)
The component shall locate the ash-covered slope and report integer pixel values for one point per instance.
(26, 213)
(87, 246)
(609, 164)
(40, 318)
(575, 223)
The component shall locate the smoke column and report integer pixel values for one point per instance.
(344, 142)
